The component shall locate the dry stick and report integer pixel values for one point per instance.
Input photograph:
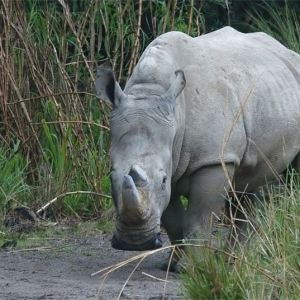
(53, 95)
(81, 29)
(93, 34)
(121, 14)
(128, 278)
(72, 26)
(102, 104)
(118, 39)
(173, 14)
(136, 42)
(167, 273)
(154, 277)
(70, 193)
(114, 267)
(25, 111)
(8, 70)
(228, 12)
(81, 122)
(63, 72)
(190, 17)
(5, 55)
(32, 249)
(81, 25)
(228, 177)
(202, 2)
(111, 269)
(166, 17)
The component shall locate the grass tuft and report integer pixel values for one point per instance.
(266, 268)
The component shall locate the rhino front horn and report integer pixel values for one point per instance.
(132, 208)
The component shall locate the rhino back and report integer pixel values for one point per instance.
(254, 89)
(242, 98)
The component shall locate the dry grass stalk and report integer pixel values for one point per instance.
(68, 194)
(136, 43)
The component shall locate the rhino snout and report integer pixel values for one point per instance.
(154, 243)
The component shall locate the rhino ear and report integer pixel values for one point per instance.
(107, 87)
(174, 91)
(177, 87)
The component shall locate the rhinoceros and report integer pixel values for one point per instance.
(199, 117)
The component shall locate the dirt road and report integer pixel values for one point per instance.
(60, 267)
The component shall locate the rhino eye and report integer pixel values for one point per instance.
(163, 185)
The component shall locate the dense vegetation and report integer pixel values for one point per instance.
(54, 132)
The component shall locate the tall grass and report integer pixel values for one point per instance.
(267, 268)
(48, 51)
(47, 100)
(13, 188)
(281, 22)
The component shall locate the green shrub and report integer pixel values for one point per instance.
(13, 188)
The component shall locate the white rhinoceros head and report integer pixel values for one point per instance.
(142, 133)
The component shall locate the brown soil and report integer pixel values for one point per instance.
(60, 268)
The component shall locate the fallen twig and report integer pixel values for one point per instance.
(67, 194)
(32, 249)
(156, 278)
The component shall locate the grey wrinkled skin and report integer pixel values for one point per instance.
(197, 114)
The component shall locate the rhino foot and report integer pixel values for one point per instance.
(169, 267)
(174, 263)
(174, 266)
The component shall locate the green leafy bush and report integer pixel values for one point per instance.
(13, 188)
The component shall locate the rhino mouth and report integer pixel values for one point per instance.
(132, 242)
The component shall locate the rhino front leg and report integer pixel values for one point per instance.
(207, 192)
(172, 220)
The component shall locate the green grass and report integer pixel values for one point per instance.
(281, 22)
(14, 190)
(52, 234)
(34, 239)
(267, 268)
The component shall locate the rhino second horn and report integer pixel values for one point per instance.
(138, 175)
(132, 208)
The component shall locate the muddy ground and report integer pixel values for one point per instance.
(60, 267)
